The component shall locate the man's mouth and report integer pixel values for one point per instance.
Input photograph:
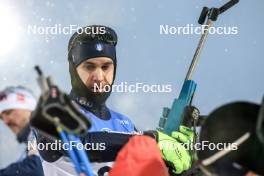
(96, 90)
(99, 88)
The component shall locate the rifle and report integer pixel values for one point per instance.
(57, 116)
(173, 117)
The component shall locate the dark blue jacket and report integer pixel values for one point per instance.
(30, 166)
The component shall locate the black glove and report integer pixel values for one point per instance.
(191, 114)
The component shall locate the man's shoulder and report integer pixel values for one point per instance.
(119, 115)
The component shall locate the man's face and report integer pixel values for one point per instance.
(16, 119)
(96, 71)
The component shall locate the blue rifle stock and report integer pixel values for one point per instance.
(172, 118)
(174, 115)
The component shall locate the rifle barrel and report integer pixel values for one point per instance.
(198, 50)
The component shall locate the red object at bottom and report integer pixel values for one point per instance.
(139, 157)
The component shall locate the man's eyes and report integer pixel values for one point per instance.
(7, 112)
(105, 67)
(89, 67)
(92, 67)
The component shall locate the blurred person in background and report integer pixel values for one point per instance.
(16, 105)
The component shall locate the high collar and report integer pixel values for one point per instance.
(22, 136)
(100, 110)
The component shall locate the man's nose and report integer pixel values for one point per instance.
(6, 119)
(98, 75)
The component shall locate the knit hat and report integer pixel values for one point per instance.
(17, 98)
